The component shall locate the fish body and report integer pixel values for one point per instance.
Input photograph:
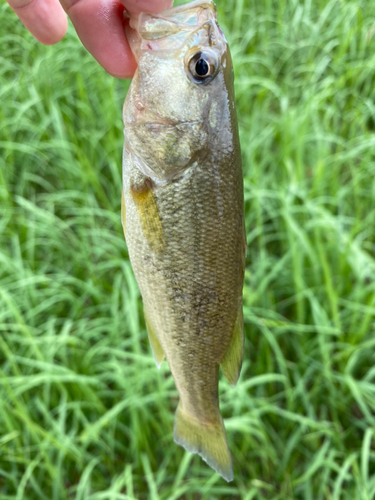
(182, 212)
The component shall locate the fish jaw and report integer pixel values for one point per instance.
(166, 32)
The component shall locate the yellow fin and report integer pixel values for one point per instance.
(207, 439)
(123, 212)
(156, 348)
(149, 216)
(232, 361)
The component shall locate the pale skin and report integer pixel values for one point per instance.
(99, 25)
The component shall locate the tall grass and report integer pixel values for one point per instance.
(84, 413)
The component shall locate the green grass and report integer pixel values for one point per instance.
(84, 413)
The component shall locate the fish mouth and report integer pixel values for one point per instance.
(143, 116)
(169, 22)
(198, 4)
(161, 124)
(167, 31)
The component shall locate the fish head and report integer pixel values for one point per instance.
(177, 108)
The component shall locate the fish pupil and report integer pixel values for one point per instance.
(201, 67)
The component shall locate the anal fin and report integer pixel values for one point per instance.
(156, 348)
(232, 361)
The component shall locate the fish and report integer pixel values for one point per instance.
(183, 212)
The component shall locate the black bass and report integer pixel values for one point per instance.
(182, 212)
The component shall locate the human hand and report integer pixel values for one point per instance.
(99, 25)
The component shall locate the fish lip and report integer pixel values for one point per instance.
(208, 4)
(162, 123)
(144, 116)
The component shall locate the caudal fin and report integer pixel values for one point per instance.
(207, 439)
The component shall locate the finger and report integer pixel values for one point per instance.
(100, 27)
(45, 19)
(137, 6)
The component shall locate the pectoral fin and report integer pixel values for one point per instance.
(156, 348)
(232, 361)
(149, 216)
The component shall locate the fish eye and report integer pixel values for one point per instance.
(202, 67)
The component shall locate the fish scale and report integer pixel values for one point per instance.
(183, 213)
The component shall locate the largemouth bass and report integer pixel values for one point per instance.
(182, 212)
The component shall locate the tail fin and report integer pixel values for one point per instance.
(207, 439)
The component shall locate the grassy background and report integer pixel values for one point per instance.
(84, 413)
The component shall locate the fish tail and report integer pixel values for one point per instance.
(208, 439)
